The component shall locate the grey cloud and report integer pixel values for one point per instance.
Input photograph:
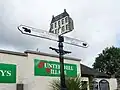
(96, 22)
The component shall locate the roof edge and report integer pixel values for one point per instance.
(13, 52)
(52, 55)
(88, 71)
(25, 53)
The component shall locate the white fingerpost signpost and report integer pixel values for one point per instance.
(60, 25)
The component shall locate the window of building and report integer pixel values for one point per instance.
(56, 31)
(63, 28)
(55, 24)
(59, 23)
(66, 19)
(67, 27)
(62, 21)
(52, 31)
(51, 26)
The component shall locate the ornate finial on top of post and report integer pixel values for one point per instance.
(64, 10)
(52, 16)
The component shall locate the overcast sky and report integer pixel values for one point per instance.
(95, 21)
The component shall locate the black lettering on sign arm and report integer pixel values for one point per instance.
(26, 29)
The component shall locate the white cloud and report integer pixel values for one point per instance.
(96, 22)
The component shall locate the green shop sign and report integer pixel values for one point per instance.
(7, 73)
(50, 68)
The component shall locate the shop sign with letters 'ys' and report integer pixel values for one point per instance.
(7, 73)
(50, 68)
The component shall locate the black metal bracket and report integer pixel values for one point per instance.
(58, 51)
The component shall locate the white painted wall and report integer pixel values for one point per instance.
(40, 82)
(25, 71)
(112, 82)
(7, 86)
(20, 62)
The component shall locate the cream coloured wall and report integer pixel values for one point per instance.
(20, 62)
(112, 82)
(25, 71)
(42, 82)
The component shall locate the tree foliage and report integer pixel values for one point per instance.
(108, 61)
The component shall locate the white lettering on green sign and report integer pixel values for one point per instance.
(5, 73)
(50, 68)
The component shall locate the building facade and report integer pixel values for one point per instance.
(101, 81)
(61, 23)
(35, 70)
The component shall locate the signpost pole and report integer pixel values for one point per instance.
(43, 34)
(61, 58)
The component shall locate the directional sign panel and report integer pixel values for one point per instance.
(38, 33)
(75, 42)
(45, 34)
